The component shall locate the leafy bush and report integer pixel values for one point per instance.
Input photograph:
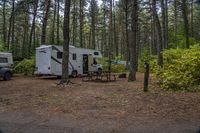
(116, 68)
(146, 57)
(25, 67)
(181, 70)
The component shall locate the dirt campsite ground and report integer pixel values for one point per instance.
(38, 105)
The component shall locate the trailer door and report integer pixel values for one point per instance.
(85, 64)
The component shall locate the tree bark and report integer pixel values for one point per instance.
(66, 37)
(74, 24)
(127, 32)
(44, 23)
(4, 22)
(186, 23)
(163, 24)
(58, 22)
(115, 32)
(110, 35)
(175, 22)
(159, 34)
(133, 43)
(53, 24)
(10, 31)
(166, 24)
(13, 28)
(192, 19)
(81, 13)
(93, 23)
(30, 47)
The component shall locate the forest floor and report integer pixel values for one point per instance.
(38, 105)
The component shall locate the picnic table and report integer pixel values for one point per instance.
(103, 76)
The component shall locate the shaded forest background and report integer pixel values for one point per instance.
(98, 24)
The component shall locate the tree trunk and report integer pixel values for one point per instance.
(52, 41)
(30, 47)
(192, 19)
(133, 42)
(186, 24)
(66, 37)
(11, 25)
(81, 13)
(93, 23)
(115, 32)
(110, 35)
(58, 22)
(159, 34)
(44, 23)
(175, 22)
(163, 23)
(104, 45)
(4, 22)
(127, 33)
(74, 25)
(166, 24)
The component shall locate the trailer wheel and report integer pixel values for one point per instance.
(74, 74)
(7, 76)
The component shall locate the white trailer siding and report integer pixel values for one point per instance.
(6, 59)
(49, 60)
(43, 60)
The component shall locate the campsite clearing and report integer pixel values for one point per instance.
(118, 106)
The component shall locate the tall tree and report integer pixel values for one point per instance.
(44, 23)
(166, 24)
(93, 23)
(186, 23)
(192, 19)
(66, 37)
(58, 22)
(31, 47)
(159, 34)
(110, 34)
(133, 42)
(81, 19)
(175, 22)
(52, 41)
(11, 28)
(4, 22)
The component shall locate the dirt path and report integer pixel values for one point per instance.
(39, 106)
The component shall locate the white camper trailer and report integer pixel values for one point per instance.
(6, 63)
(6, 59)
(49, 60)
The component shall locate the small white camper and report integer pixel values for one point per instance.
(6, 59)
(49, 60)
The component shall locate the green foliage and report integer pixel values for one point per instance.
(1, 46)
(146, 57)
(181, 70)
(180, 41)
(25, 67)
(116, 68)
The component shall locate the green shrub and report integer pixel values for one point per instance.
(118, 68)
(146, 57)
(181, 69)
(25, 67)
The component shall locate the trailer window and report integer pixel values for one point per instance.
(96, 53)
(3, 60)
(73, 56)
(59, 55)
